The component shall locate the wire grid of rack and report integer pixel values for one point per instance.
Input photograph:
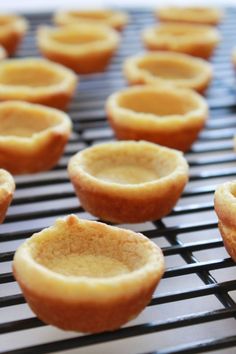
(193, 309)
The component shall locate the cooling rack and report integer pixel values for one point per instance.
(193, 309)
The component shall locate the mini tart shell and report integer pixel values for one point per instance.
(83, 303)
(83, 58)
(196, 40)
(12, 31)
(115, 19)
(42, 149)
(136, 70)
(7, 188)
(57, 94)
(139, 202)
(225, 208)
(197, 15)
(174, 130)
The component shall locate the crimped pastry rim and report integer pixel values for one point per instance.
(77, 288)
(21, 91)
(46, 42)
(115, 20)
(63, 127)
(76, 171)
(131, 117)
(132, 70)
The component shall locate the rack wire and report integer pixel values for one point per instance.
(193, 310)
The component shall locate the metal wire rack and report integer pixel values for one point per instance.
(193, 309)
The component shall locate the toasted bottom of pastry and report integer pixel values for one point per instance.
(86, 276)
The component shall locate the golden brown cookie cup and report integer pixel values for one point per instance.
(195, 15)
(128, 181)
(169, 116)
(115, 19)
(168, 68)
(36, 80)
(12, 31)
(84, 48)
(196, 40)
(7, 188)
(225, 208)
(86, 276)
(32, 137)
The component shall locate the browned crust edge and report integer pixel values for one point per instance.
(90, 316)
(119, 209)
(86, 64)
(181, 140)
(43, 158)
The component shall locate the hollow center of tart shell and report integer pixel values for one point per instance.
(71, 37)
(75, 249)
(89, 265)
(28, 75)
(180, 32)
(126, 174)
(157, 103)
(24, 122)
(168, 69)
(129, 164)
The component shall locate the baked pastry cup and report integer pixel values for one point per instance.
(128, 181)
(197, 15)
(85, 48)
(115, 19)
(7, 188)
(169, 68)
(12, 31)
(86, 276)
(225, 207)
(38, 81)
(196, 40)
(165, 115)
(32, 137)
